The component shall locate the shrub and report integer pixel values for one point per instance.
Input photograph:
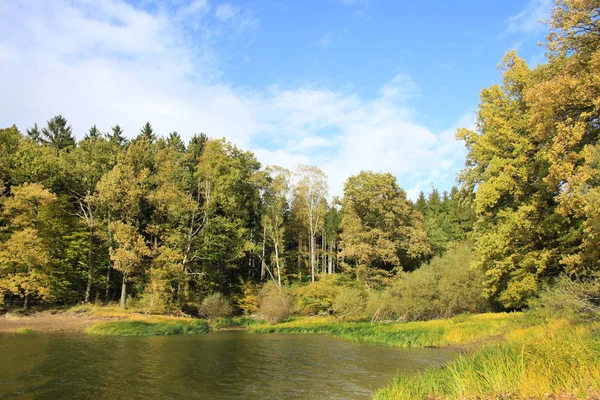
(445, 287)
(380, 306)
(215, 306)
(349, 302)
(317, 297)
(247, 300)
(567, 299)
(275, 303)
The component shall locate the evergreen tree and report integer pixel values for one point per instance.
(116, 136)
(174, 140)
(147, 132)
(58, 134)
(34, 133)
(93, 134)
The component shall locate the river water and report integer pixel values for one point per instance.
(219, 365)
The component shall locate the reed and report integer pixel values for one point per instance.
(147, 328)
(558, 360)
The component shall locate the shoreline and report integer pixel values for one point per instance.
(52, 321)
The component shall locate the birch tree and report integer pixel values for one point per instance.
(311, 188)
(275, 200)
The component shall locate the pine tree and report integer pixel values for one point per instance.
(58, 133)
(34, 133)
(147, 132)
(117, 135)
(174, 140)
(93, 134)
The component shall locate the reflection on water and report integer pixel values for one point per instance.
(222, 365)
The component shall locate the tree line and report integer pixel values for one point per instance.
(154, 218)
(107, 218)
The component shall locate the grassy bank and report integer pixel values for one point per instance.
(131, 322)
(555, 360)
(455, 331)
(149, 328)
(507, 357)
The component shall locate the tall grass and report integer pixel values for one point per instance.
(235, 323)
(557, 360)
(144, 328)
(455, 331)
(25, 330)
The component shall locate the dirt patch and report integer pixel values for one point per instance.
(47, 321)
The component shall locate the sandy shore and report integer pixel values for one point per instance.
(50, 321)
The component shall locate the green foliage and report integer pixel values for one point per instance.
(458, 330)
(579, 301)
(554, 363)
(445, 287)
(380, 231)
(142, 328)
(215, 306)
(317, 297)
(25, 331)
(533, 163)
(57, 134)
(381, 306)
(235, 323)
(275, 303)
(247, 300)
(348, 303)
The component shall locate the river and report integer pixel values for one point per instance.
(220, 365)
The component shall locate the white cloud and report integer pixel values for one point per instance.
(528, 20)
(226, 12)
(328, 39)
(109, 62)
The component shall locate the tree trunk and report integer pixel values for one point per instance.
(277, 262)
(107, 297)
(323, 251)
(262, 263)
(26, 302)
(330, 259)
(88, 288)
(312, 255)
(123, 293)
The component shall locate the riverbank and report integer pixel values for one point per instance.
(97, 320)
(464, 330)
(554, 360)
(111, 320)
(507, 356)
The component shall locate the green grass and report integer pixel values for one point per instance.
(507, 356)
(455, 331)
(235, 323)
(145, 328)
(546, 361)
(25, 330)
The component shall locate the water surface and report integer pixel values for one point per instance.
(220, 365)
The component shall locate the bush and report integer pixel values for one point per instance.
(445, 287)
(349, 302)
(380, 306)
(317, 297)
(275, 303)
(567, 299)
(215, 306)
(247, 300)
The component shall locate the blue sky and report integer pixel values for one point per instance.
(342, 84)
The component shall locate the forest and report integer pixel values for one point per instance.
(165, 226)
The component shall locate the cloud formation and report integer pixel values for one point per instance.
(531, 18)
(110, 62)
